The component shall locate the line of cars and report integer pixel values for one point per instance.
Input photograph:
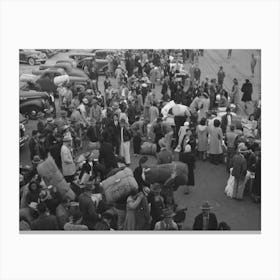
(37, 89)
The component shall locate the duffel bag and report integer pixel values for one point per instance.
(47, 168)
(162, 172)
(148, 148)
(59, 80)
(180, 110)
(119, 185)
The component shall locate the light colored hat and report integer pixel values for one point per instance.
(242, 147)
(206, 206)
(188, 148)
(144, 85)
(187, 124)
(50, 120)
(67, 138)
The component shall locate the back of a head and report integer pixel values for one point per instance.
(42, 207)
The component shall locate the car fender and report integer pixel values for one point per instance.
(37, 103)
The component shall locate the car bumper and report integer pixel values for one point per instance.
(40, 60)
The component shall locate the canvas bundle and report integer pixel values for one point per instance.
(119, 185)
(148, 148)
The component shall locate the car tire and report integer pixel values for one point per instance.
(32, 112)
(31, 61)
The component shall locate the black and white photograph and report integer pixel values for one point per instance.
(140, 139)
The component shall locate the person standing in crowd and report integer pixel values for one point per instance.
(125, 137)
(247, 89)
(142, 214)
(202, 138)
(33, 144)
(154, 112)
(88, 207)
(68, 165)
(235, 95)
(215, 142)
(229, 54)
(197, 73)
(106, 153)
(95, 112)
(157, 204)
(230, 143)
(188, 158)
(167, 223)
(164, 156)
(133, 201)
(191, 71)
(206, 220)
(138, 172)
(221, 76)
(239, 171)
(253, 64)
(226, 120)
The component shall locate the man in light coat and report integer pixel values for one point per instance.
(68, 165)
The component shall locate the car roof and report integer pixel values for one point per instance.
(82, 54)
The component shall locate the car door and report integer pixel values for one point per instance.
(22, 56)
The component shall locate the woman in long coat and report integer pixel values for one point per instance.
(202, 137)
(215, 142)
(133, 202)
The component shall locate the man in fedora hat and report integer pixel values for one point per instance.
(205, 220)
(167, 223)
(221, 76)
(164, 156)
(68, 165)
(239, 171)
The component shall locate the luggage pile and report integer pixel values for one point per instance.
(52, 176)
(119, 185)
(148, 148)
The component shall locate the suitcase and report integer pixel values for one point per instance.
(119, 185)
(148, 148)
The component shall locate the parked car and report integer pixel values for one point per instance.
(48, 52)
(22, 136)
(32, 57)
(32, 102)
(102, 54)
(45, 80)
(83, 59)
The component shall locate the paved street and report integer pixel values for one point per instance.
(210, 180)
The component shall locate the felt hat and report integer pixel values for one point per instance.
(156, 188)
(67, 138)
(242, 147)
(50, 120)
(206, 206)
(187, 124)
(168, 213)
(37, 160)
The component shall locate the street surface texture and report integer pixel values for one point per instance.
(210, 180)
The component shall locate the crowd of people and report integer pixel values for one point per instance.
(194, 119)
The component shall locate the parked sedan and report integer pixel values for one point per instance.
(48, 52)
(32, 102)
(32, 57)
